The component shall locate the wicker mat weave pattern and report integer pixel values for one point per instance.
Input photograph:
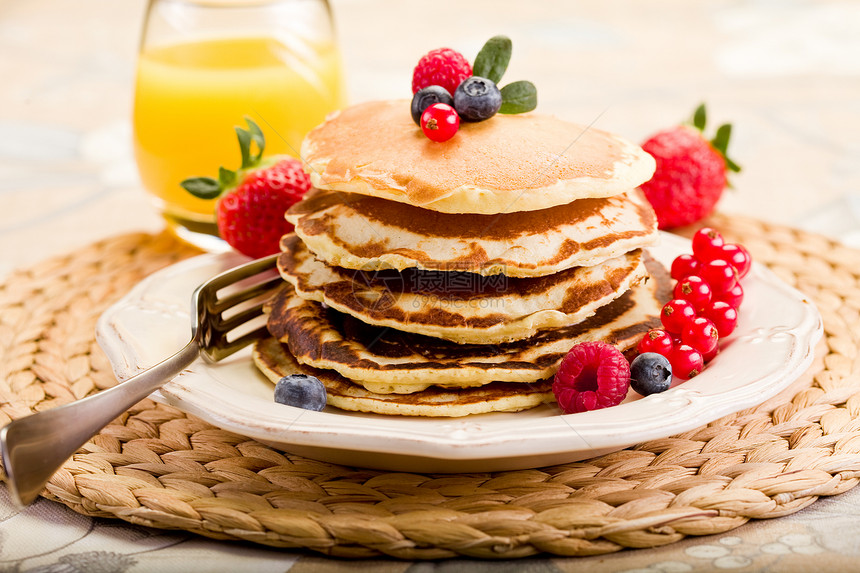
(157, 467)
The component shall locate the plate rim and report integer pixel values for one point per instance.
(683, 407)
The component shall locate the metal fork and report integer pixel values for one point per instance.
(36, 446)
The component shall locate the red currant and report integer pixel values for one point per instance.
(723, 315)
(734, 296)
(686, 361)
(701, 334)
(684, 266)
(738, 257)
(440, 122)
(720, 275)
(655, 340)
(695, 290)
(712, 354)
(707, 244)
(676, 314)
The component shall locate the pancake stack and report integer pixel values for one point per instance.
(446, 279)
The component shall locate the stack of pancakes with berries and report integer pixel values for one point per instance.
(450, 278)
(444, 264)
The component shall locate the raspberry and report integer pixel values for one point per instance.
(442, 67)
(592, 375)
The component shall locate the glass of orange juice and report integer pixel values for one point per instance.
(204, 65)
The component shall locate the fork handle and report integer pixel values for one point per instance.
(36, 446)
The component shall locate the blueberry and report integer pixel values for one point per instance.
(301, 391)
(650, 373)
(426, 97)
(477, 99)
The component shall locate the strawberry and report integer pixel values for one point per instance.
(691, 171)
(253, 200)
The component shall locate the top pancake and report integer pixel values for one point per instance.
(505, 164)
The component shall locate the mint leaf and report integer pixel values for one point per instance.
(202, 187)
(492, 61)
(518, 97)
(257, 137)
(700, 117)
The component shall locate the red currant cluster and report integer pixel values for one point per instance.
(704, 309)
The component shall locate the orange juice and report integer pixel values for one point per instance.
(189, 96)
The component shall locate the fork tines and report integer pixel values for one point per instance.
(227, 305)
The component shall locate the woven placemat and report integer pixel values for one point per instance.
(157, 467)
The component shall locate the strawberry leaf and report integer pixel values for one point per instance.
(202, 187)
(226, 178)
(244, 146)
(721, 144)
(700, 118)
(721, 138)
(518, 97)
(732, 166)
(209, 188)
(492, 61)
(257, 137)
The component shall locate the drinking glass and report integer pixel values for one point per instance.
(204, 65)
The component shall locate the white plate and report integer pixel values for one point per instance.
(772, 346)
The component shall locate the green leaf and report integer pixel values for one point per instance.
(721, 139)
(492, 61)
(732, 166)
(245, 146)
(518, 97)
(226, 178)
(700, 117)
(257, 137)
(721, 144)
(202, 187)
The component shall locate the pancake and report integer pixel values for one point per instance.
(508, 163)
(385, 360)
(458, 306)
(275, 361)
(361, 232)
